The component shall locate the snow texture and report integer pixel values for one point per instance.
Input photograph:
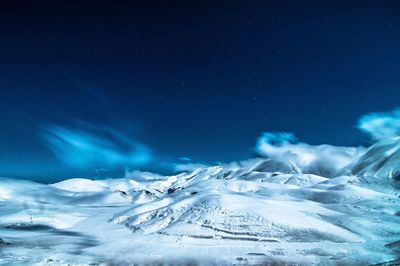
(297, 205)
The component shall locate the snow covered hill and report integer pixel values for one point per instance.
(259, 211)
(382, 160)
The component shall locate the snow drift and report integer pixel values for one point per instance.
(299, 204)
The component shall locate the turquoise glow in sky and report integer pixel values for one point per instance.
(91, 89)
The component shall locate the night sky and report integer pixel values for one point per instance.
(153, 83)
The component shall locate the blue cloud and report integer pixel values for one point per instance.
(275, 139)
(323, 159)
(95, 147)
(185, 159)
(381, 125)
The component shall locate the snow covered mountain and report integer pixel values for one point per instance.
(259, 211)
(381, 160)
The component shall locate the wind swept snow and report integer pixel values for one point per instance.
(259, 211)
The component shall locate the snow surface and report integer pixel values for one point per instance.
(259, 211)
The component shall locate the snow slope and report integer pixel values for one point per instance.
(259, 211)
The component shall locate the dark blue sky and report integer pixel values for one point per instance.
(177, 79)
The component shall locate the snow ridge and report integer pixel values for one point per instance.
(259, 211)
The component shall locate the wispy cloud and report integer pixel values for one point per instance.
(284, 147)
(95, 147)
(187, 167)
(381, 125)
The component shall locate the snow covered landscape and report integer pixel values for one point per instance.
(199, 133)
(296, 204)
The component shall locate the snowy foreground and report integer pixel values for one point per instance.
(303, 209)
